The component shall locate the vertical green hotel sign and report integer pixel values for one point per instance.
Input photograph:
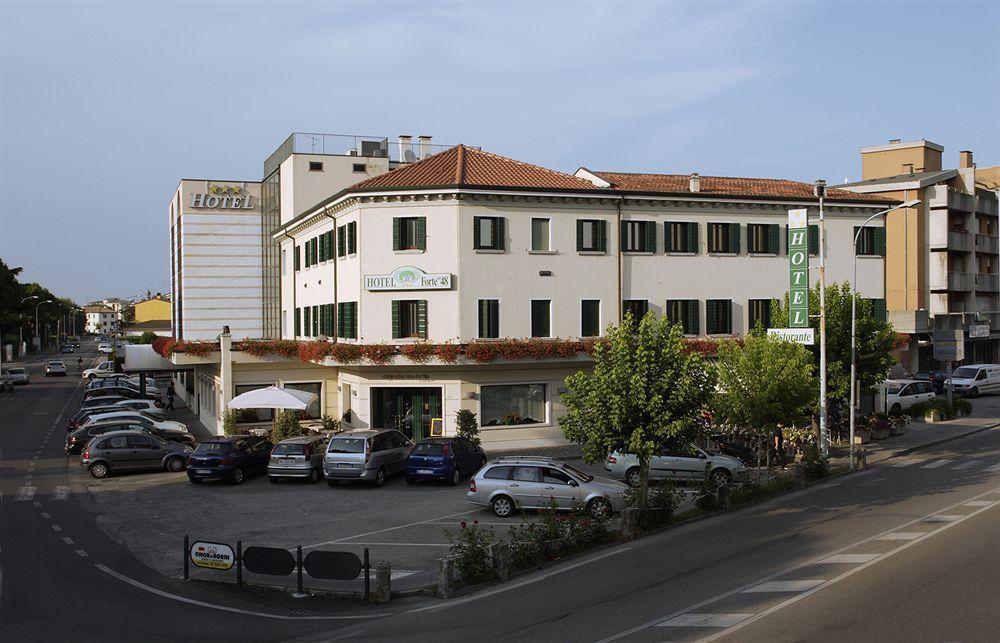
(798, 268)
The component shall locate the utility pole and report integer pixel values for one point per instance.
(819, 190)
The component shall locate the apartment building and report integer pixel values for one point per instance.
(942, 261)
(100, 319)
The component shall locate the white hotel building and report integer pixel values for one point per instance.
(467, 246)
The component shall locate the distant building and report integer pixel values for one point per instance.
(153, 309)
(942, 268)
(100, 319)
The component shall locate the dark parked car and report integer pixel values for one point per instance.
(78, 438)
(120, 391)
(444, 459)
(937, 378)
(231, 458)
(120, 451)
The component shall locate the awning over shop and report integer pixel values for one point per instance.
(141, 358)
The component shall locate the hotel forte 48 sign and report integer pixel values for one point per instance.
(409, 278)
(224, 197)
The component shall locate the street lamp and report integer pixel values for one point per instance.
(38, 334)
(854, 314)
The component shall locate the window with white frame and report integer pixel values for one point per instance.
(540, 235)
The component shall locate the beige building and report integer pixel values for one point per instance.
(942, 263)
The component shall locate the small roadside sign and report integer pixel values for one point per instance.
(805, 336)
(212, 555)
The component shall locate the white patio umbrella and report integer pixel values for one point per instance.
(273, 397)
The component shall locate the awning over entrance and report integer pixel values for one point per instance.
(141, 358)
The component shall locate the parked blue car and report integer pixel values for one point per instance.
(444, 459)
(232, 458)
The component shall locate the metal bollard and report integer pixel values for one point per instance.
(446, 571)
(298, 556)
(724, 496)
(383, 582)
(501, 561)
(187, 549)
(368, 576)
(239, 563)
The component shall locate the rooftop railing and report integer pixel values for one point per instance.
(402, 151)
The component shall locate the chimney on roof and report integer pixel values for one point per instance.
(425, 146)
(893, 141)
(694, 184)
(965, 159)
(405, 148)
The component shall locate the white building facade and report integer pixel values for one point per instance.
(100, 319)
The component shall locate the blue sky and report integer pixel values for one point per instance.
(104, 106)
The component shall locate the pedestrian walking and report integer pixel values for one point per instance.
(778, 444)
(171, 392)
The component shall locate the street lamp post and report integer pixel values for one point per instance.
(38, 332)
(20, 326)
(854, 313)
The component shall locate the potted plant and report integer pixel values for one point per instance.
(880, 426)
(897, 423)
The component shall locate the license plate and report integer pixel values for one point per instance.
(343, 465)
(204, 472)
(425, 471)
(286, 461)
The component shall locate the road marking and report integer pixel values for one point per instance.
(61, 493)
(398, 544)
(45, 515)
(784, 586)
(37, 504)
(81, 553)
(978, 503)
(56, 528)
(942, 518)
(235, 610)
(848, 559)
(935, 465)
(26, 492)
(67, 540)
(965, 465)
(382, 531)
(705, 620)
(902, 535)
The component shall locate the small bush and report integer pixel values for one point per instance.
(661, 503)
(959, 408)
(751, 490)
(330, 423)
(554, 536)
(287, 426)
(962, 406)
(467, 425)
(229, 418)
(472, 549)
(708, 493)
(814, 464)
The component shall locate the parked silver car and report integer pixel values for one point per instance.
(675, 464)
(300, 457)
(365, 454)
(510, 483)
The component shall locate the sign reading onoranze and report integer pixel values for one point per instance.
(798, 268)
(408, 278)
(212, 555)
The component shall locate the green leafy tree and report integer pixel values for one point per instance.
(763, 383)
(287, 426)
(467, 425)
(875, 340)
(645, 390)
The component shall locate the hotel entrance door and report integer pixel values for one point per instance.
(408, 410)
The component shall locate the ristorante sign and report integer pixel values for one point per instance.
(408, 278)
(223, 197)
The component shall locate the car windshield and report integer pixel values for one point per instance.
(965, 373)
(212, 448)
(17, 371)
(429, 448)
(586, 477)
(347, 445)
(894, 387)
(286, 448)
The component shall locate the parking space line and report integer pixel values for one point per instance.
(387, 529)
(81, 553)
(705, 620)
(784, 586)
(902, 535)
(398, 544)
(938, 463)
(56, 528)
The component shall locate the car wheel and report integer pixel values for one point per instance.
(896, 408)
(314, 476)
(273, 479)
(410, 480)
(633, 477)
(720, 477)
(456, 477)
(599, 507)
(332, 483)
(99, 470)
(91, 377)
(237, 476)
(502, 506)
(974, 392)
(379, 477)
(175, 464)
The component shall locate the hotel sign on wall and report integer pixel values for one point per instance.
(798, 268)
(223, 197)
(409, 278)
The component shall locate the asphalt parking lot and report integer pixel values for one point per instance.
(399, 523)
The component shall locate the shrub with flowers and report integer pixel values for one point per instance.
(378, 353)
(419, 353)
(472, 548)
(447, 352)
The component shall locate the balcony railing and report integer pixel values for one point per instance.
(941, 196)
(961, 281)
(986, 203)
(987, 283)
(987, 243)
(349, 145)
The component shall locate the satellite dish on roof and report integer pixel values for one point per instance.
(409, 156)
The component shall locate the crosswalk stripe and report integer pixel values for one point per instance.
(906, 463)
(61, 492)
(935, 465)
(965, 465)
(705, 620)
(25, 493)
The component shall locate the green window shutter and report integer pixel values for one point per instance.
(500, 233)
(579, 235)
(692, 237)
(329, 244)
(340, 320)
(729, 316)
(601, 230)
(322, 247)
(691, 327)
(306, 321)
(353, 308)
(880, 243)
(773, 240)
(649, 235)
(315, 321)
(858, 240)
(341, 242)
(395, 320)
(422, 318)
(668, 238)
(298, 257)
(298, 322)
(352, 237)
(477, 242)
(395, 233)
(813, 240)
(305, 254)
(734, 237)
(621, 235)
(422, 233)
(711, 318)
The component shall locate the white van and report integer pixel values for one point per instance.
(976, 379)
(902, 394)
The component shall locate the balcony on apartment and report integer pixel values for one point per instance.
(941, 196)
(986, 203)
(987, 282)
(952, 281)
(987, 243)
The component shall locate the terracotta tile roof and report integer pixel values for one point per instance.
(727, 186)
(462, 166)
